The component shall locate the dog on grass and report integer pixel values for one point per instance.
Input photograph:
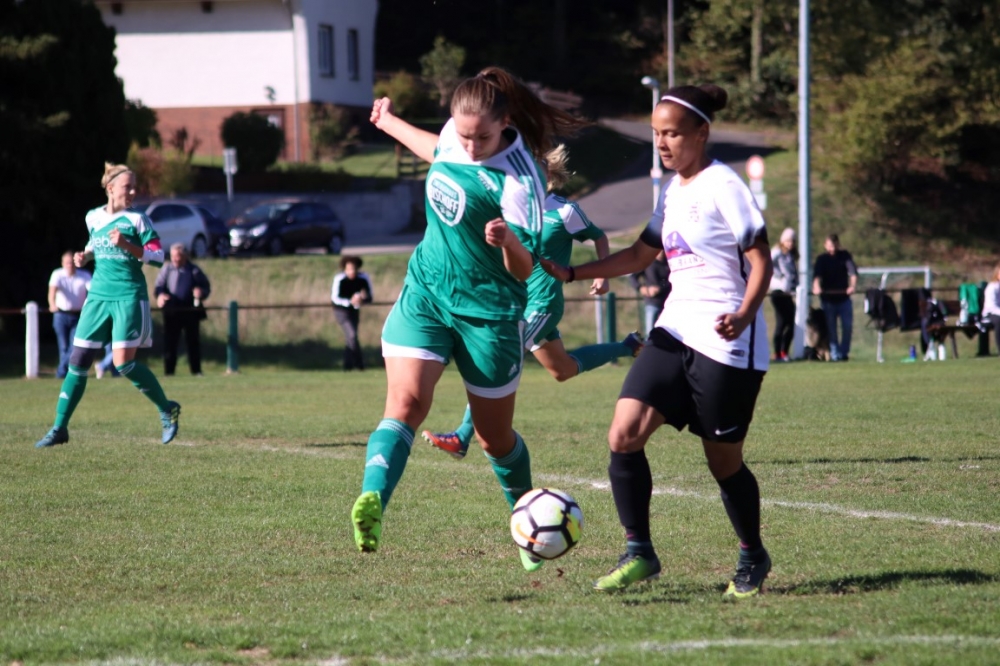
(817, 336)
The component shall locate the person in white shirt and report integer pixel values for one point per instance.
(706, 357)
(991, 304)
(67, 291)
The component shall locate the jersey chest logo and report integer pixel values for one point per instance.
(447, 198)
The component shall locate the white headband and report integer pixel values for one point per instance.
(678, 100)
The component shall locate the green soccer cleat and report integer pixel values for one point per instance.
(53, 437)
(634, 342)
(529, 561)
(366, 516)
(170, 419)
(749, 579)
(630, 569)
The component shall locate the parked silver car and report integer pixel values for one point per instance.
(179, 221)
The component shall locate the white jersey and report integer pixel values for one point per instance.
(704, 227)
(71, 290)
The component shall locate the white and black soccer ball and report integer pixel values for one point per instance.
(546, 522)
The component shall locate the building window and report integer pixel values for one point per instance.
(352, 55)
(326, 50)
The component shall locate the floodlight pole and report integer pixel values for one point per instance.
(657, 171)
(670, 44)
(805, 280)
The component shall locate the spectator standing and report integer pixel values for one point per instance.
(991, 304)
(784, 282)
(67, 292)
(653, 284)
(351, 289)
(181, 288)
(835, 277)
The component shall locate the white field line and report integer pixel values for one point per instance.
(804, 506)
(648, 647)
(819, 507)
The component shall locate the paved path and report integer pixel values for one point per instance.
(621, 205)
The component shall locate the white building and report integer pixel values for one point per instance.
(197, 62)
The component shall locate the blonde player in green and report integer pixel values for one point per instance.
(117, 306)
(565, 223)
(464, 294)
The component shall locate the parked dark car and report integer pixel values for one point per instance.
(218, 233)
(286, 225)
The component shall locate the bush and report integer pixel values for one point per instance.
(408, 95)
(332, 130)
(258, 143)
(159, 173)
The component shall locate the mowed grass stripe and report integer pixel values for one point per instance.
(116, 549)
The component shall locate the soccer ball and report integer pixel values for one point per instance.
(546, 522)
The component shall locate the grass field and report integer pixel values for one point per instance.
(233, 545)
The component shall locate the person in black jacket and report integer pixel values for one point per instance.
(835, 279)
(351, 288)
(181, 288)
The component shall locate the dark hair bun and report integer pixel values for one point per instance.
(717, 95)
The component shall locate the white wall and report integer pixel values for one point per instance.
(173, 55)
(343, 15)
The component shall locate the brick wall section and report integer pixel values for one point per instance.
(205, 124)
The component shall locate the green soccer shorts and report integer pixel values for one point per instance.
(124, 324)
(488, 353)
(540, 326)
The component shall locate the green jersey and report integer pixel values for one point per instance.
(564, 223)
(453, 264)
(117, 274)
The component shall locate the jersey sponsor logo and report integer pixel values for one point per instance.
(447, 198)
(679, 254)
(487, 183)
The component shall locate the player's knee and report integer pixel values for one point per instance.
(407, 407)
(624, 439)
(82, 357)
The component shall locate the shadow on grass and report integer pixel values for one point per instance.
(652, 593)
(336, 445)
(304, 355)
(885, 581)
(900, 459)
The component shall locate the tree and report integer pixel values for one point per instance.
(258, 143)
(61, 117)
(140, 122)
(442, 68)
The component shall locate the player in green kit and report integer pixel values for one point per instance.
(117, 306)
(464, 294)
(565, 223)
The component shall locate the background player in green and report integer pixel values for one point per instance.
(464, 293)
(117, 308)
(565, 222)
